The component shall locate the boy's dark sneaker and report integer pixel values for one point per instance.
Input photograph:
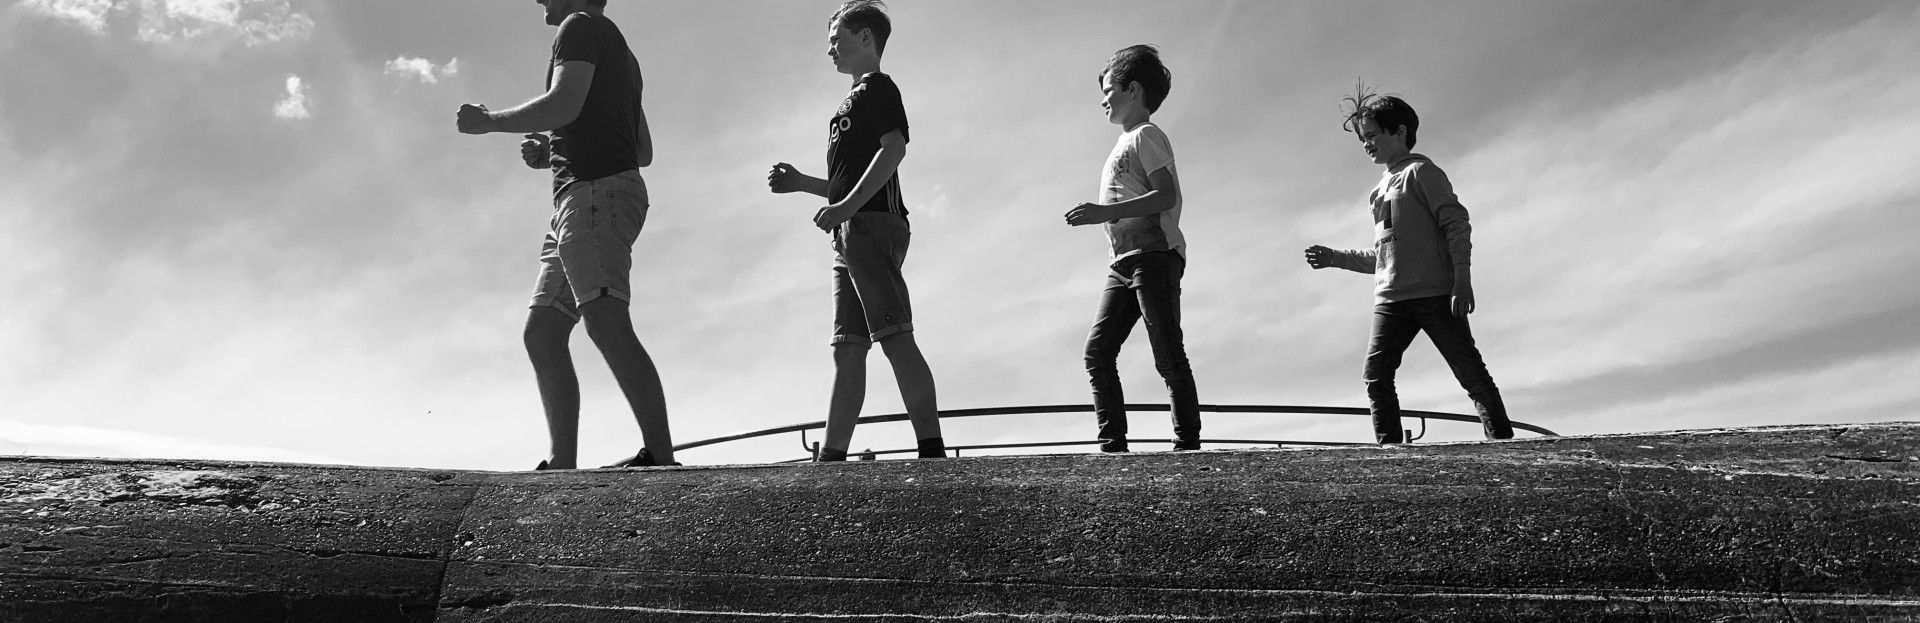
(933, 448)
(1113, 445)
(830, 455)
(643, 459)
(1186, 445)
(1493, 416)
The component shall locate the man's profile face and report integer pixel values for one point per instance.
(558, 10)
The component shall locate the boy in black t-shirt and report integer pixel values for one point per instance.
(600, 141)
(866, 140)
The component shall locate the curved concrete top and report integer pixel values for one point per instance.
(1785, 523)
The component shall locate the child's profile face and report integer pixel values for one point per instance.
(843, 46)
(1380, 146)
(1116, 99)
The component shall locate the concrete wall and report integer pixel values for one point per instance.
(1796, 523)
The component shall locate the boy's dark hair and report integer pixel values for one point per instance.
(1140, 63)
(1389, 111)
(870, 15)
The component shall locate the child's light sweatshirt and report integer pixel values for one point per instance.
(1420, 233)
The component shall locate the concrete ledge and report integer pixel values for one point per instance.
(1788, 523)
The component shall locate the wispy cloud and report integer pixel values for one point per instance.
(422, 69)
(295, 104)
(91, 14)
(255, 22)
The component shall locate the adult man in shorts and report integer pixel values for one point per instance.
(600, 141)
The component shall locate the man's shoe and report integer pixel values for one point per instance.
(643, 459)
(933, 448)
(1113, 446)
(1186, 445)
(830, 455)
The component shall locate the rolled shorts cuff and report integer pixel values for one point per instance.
(600, 293)
(868, 340)
(572, 310)
(545, 301)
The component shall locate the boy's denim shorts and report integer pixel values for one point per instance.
(589, 250)
(869, 292)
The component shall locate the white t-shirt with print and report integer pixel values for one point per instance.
(1137, 154)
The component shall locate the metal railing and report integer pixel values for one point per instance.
(813, 448)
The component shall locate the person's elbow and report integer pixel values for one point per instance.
(894, 143)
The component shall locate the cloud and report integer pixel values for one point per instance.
(255, 22)
(294, 105)
(91, 14)
(422, 69)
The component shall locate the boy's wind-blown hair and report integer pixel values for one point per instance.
(858, 15)
(1389, 111)
(1140, 63)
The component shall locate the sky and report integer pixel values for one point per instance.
(248, 230)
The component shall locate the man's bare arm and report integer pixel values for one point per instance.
(559, 106)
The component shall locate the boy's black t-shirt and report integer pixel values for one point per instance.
(871, 110)
(605, 139)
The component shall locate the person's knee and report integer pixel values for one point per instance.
(899, 345)
(1101, 356)
(850, 353)
(1172, 364)
(1378, 388)
(547, 332)
(606, 318)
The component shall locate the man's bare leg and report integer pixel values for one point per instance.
(910, 370)
(849, 394)
(546, 336)
(611, 329)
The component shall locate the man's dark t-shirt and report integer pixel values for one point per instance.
(871, 110)
(605, 139)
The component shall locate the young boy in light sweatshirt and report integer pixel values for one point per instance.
(1139, 206)
(1423, 280)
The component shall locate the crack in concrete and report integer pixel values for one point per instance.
(1866, 459)
(335, 553)
(454, 540)
(487, 599)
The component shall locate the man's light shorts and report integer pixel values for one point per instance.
(589, 250)
(869, 292)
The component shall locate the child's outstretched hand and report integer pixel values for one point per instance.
(1088, 214)
(1319, 257)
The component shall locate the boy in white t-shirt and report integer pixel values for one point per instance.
(1140, 207)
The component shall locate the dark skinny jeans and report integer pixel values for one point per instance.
(1394, 327)
(1144, 286)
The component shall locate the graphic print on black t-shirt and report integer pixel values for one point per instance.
(872, 109)
(605, 139)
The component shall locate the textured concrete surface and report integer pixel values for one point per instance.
(1778, 524)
